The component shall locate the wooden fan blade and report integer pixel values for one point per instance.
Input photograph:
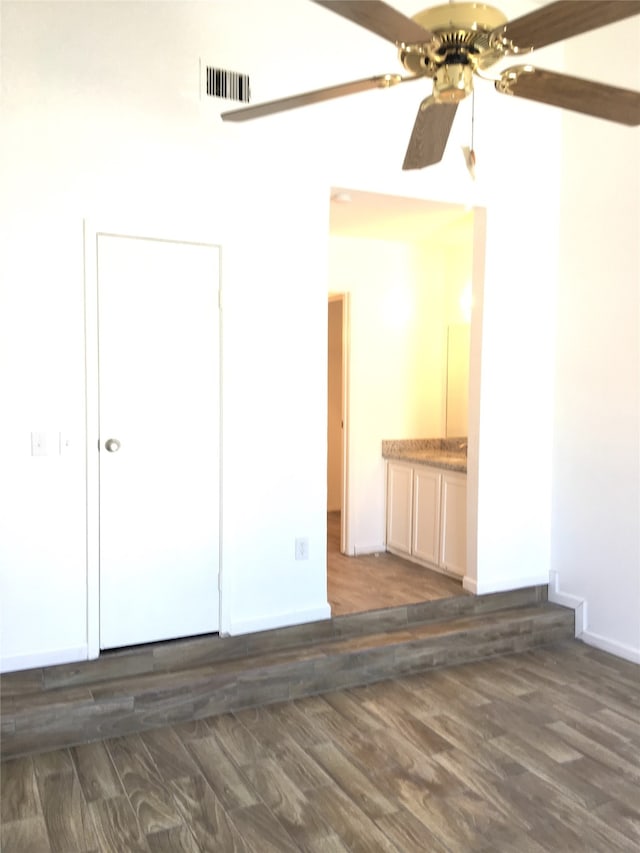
(430, 134)
(564, 19)
(381, 19)
(382, 81)
(572, 93)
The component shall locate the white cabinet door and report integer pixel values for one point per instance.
(453, 542)
(426, 514)
(399, 507)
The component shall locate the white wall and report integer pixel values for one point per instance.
(100, 120)
(596, 451)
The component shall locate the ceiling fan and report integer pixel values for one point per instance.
(453, 42)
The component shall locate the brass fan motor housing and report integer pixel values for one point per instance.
(461, 33)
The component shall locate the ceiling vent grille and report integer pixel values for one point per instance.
(231, 85)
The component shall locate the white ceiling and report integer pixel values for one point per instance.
(355, 213)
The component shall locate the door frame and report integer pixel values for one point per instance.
(345, 519)
(92, 229)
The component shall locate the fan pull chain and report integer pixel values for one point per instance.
(469, 152)
(472, 151)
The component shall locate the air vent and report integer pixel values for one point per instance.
(218, 83)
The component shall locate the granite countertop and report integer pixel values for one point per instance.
(447, 453)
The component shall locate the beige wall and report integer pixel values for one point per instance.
(402, 296)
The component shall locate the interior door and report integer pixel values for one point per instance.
(158, 350)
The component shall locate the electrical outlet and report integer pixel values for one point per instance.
(302, 548)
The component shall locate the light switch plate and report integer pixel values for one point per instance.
(38, 444)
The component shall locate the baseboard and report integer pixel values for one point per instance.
(566, 599)
(470, 584)
(485, 587)
(618, 649)
(13, 663)
(279, 620)
(363, 550)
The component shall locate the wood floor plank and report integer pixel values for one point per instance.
(28, 835)
(292, 754)
(624, 759)
(455, 683)
(516, 716)
(424, 781)
(623, 816)
(557, 775)
(237, 741)
(393, 701)
(567, 825)
(481, 782)
(291, 718)
(96, 773)
(168, 753)
(117, 827)
(409, 834)
(262, 830)
(622, 724)
(152, 802)
(221, 773)
(349, 705)
(355, 742)
(609, 781)
(20, 799)
(357, 831)
(208, 820)
(356, 784)
(473, 820)
(291, 806)
(178, 839)
(68, 820)
(462, 737)
(47, 763)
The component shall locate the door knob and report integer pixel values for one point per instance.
(112, 445)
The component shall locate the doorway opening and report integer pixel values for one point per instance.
(405, 268)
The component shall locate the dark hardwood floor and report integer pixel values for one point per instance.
(522, 754)
(372, 582)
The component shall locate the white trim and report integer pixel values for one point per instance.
(565, 599)
(90, 236)
(362, 550)
(13, 663)
(281, 620)
(345, 521)
(501, 584)
(619, 649)
(557, 596)
(470, 584)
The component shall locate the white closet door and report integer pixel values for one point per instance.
(159, 439)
